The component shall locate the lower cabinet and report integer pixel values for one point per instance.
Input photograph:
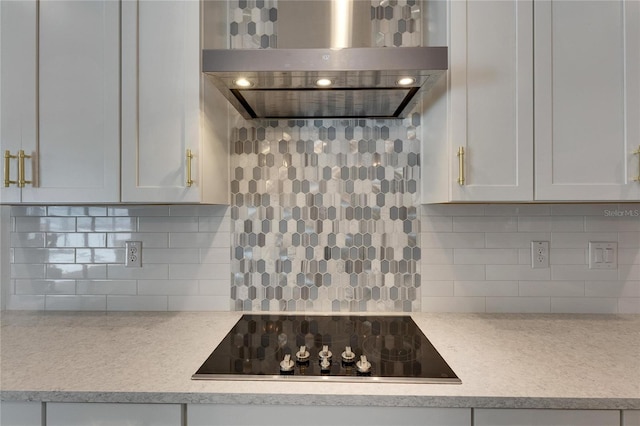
(83, 414)
(522, 417)
(20, 413)
(297, 415)
(631, 418)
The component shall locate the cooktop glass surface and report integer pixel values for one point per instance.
(315, 347)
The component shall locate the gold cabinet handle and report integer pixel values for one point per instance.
(636, 152)
(461, 166)
(21, 181)
(189, 158)
(7, 166)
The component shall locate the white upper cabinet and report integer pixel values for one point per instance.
(167, 109)
(60, 101)
(587, 92)
(487, 111)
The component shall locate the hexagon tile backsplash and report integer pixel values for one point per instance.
(324, 215)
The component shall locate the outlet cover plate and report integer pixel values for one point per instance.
(539, 254)
(133, 254)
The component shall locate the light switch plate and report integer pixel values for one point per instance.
(603, 255)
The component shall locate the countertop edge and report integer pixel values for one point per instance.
(332, 400)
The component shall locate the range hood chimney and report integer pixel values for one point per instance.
(326, 71)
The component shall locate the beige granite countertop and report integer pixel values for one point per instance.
(518, 361)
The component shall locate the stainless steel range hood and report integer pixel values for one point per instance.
(364, 81)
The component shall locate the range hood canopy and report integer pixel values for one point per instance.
(364, 81)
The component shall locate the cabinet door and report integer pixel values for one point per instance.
(73, 414)
(160, 100)
(587, 91)
(631, 418)
(514, 417)
(17, 88)
(491, 100)
(20, 413)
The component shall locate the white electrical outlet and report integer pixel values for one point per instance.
(539, 254)
(133, 258)
(603, 255)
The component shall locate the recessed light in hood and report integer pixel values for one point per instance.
(365, 82)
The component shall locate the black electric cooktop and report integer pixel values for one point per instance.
(350, 348)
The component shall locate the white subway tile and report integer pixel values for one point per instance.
(45, 224)
(107, 224)
(584, 305)
(518, 304)
(436, 224)
(149, 239)
(612, 224)
(443, 240)
(560, 256)
(75, 239)
(534, 224)
(454, 272)
(134, 211)
(629, 272)
(71, 271)
(43, 255)
(184, 255)
(517, 210)
(485, 224)
(27, 271)
(106, 255)
(25, 302)
(106, 287)
(168, 224)
(579, 240)
(75, 303)
(581, 273)
(200, 272)
(436, 288)
(76, 211)
(514, 239)
(629, 240)
(453, 209)
(628, 256)
(516, 272)
(28, 211)
(629, 305)
(485, 256)
(581, 209)
(27, 239)
(436, 256)
(215, 255)
(147, 272)
(199, 240)
(199, 303)
(453, 304)
(198, 210)
(214, 224)
(612, 288)
(485, 288)
(137, 303)
(216, 288)
(567, 224)
(45, 286)
(168, 287)
(551, 288)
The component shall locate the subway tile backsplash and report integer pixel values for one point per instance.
(472, 259)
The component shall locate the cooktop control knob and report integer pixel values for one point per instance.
(325, 353)
(286, 365)
(348, 356)
(363, 366)
(303, 354)
(325, 365)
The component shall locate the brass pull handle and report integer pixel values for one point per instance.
(7, 165)
(21, 181)
(637, 152)
(461, 166)
(189, 158)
